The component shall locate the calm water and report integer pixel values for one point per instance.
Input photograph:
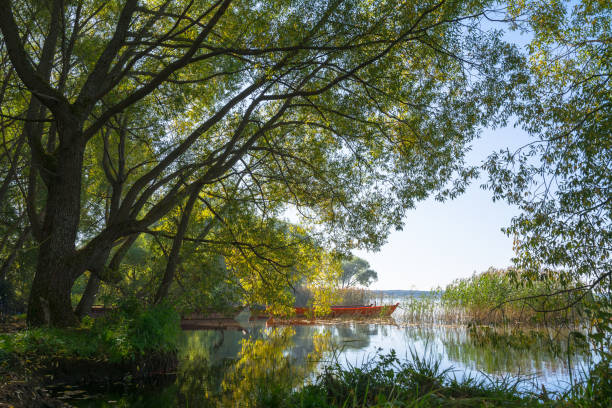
(218, 368)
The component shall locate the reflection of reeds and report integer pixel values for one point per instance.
(279, 366)
(512, 350)
(419, 381)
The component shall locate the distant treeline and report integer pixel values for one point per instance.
(404, 293)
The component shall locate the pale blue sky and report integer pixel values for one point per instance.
(441, 242)
(444, 241)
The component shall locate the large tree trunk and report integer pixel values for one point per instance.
(58, 265)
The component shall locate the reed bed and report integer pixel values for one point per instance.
(495, 298)
(354, 296)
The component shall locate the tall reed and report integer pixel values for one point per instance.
(497, 296)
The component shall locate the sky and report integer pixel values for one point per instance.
(441, 242)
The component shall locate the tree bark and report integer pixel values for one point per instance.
(177, 243)
(58, 266)
(93, 284)
(89, 296)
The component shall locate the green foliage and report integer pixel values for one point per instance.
(596, 391)
(121, 335)
(386, 381)
(356, 271)
(499, 295)
(9, 305)
(561, 180)
(350, 114)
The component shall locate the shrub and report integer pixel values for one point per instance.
(123, 334)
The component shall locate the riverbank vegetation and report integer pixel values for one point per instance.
(127, 344)
(501, 297)
(420, 382)
(265, 374)
(125, 333)
(153, 151)
(274, 381)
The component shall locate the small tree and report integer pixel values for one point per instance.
(356, 271)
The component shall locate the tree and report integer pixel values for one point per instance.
(562, 180)
(350, 112)
(356, 271)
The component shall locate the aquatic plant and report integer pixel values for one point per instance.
(387, 381)
(497, 296)
(500, 296)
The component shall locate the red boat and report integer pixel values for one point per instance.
(356, 310)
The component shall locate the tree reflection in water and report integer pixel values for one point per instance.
(234, 368)
(224, 371)
(273, 361)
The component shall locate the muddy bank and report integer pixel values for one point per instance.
(89, 371)
(21, 388)
(11, 324)
(28, 394)
(28, 384)
(210, 324)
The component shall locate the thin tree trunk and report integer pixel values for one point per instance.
(8, 262)
(93, 284)
(177, 243)
(89, 296)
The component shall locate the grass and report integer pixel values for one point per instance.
(126, 343)
(124, 334)
(419, 382)
(385, 381)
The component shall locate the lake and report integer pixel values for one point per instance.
(220, 366)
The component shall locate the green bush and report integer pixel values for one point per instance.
(122, 334)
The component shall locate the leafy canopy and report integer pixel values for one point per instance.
(356, 271)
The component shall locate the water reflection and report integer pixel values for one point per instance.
(536, 352)
(237, 368)
(220, 368)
